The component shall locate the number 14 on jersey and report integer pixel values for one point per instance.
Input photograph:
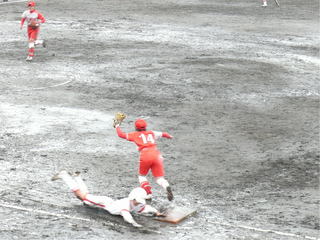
(148, 138)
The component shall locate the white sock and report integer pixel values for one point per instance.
(38, 42)
(83, 187)
(72, 184)
(162, 182)
(142, 179)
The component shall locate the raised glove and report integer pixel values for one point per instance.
(118, 118)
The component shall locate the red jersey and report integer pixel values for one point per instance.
(143, 139)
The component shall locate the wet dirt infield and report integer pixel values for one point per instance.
(236, 84)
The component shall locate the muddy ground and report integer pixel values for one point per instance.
(235, 84)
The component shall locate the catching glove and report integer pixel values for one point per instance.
(118, 119)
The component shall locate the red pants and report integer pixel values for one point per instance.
(150, 158)
(33, 33)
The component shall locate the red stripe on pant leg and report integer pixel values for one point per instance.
(141, 209)
(94, 203)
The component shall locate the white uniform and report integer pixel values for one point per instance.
(123, 207)
(115, 207)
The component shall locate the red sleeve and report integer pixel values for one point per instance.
(120, 133)
(166, 135)
(22, 21)
(41, 18)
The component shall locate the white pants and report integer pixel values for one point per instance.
(98, 201)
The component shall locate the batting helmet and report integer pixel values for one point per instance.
(31, 4)
(138, 194)
(140, 124)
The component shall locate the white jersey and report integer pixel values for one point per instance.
(31, 15)
(124, 205)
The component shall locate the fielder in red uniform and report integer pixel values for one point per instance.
(34, 19)
(150, 157)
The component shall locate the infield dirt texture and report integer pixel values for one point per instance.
(236, 84)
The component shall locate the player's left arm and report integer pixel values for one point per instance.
(41, 18)
(127, 136)
(161, 134)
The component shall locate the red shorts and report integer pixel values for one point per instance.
(33, 33)
(151, 159)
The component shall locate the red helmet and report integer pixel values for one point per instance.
(31, 4)
(140, 124)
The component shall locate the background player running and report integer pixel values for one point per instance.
(34, 19)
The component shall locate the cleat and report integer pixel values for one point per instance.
(169, 194)
(75, 174)
(44, 43)
(29, 59)
(59, 175)
(55, 177)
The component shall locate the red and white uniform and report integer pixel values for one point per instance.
(134, 203)
(150, 156)
(29, 16)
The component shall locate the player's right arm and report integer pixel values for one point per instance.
(23, 19)
(128, 218)
(120, 133)
(149, 210)
(22, 22)
(166, 135)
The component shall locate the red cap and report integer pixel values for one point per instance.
(140, 124)
(31, 4)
